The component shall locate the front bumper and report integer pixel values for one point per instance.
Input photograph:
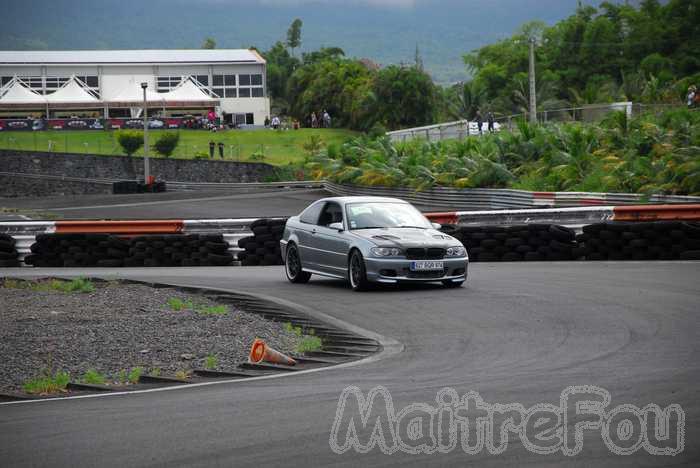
(393, 270)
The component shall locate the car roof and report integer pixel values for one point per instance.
(346, 200)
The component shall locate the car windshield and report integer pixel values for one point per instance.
(375, 215)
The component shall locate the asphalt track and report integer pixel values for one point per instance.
(171, 205)
(517, 333)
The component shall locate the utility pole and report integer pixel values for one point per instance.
(533, 87)
(146, 162)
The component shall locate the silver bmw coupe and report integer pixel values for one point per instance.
(370, 239)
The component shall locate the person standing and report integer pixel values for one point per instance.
(489, 119)
(479, 122)
(314, 120)
(326, 119)
(692, 91)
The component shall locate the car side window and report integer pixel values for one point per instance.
(311, 214)
(332, 213)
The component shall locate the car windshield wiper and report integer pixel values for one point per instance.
(369, 227)
(410, 227)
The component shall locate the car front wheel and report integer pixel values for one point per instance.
(292, 266)
(357, 272)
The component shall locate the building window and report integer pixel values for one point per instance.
(225, 86)
(250, 86)
(34, 82)
(4, 80)
(250, 119)
(167, 83)
(202, 79)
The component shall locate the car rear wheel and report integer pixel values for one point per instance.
(452, 284)
(292, 266)
(357, 272)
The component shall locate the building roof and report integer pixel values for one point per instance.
(72, 93)
(128, 57)
(16, 93)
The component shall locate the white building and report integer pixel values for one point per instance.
(234, 78)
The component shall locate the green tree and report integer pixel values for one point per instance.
(405, 97)
(167, 142)
(294, 35)
(130, 141)
(209, 43)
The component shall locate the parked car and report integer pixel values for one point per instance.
(370, 240)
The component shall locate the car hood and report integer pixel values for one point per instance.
(407, 237)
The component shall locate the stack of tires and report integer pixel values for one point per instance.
(179, 250)
(660, 240)
(125, 186)
(263, 247)
(526, 242)
(104, 250)
(8, 251)
(78, 250)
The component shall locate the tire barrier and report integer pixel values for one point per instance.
(110, 251)
(263, 247)
(256, 241)
(9, 257)
(520, 242)
(658, 240)
(131, 186)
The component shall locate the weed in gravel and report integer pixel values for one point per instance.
(213, 310)
(292, 329)
(47, 383)
(93, 377)
(122, 377)
(78, 285)
(10, 283)
(211, 362)
(177, 304)
(183, 374)
(155, 372)
(134, 375)
(308, 344)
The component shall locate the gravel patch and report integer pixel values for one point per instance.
(119, 327)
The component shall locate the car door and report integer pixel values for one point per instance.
(306, 235)
(333, 245)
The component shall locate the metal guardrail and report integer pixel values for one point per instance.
(489, 199)
(460, 129)
(233, 229)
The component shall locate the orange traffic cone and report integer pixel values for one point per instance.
(262, 352)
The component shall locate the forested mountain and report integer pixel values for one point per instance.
(385, 31)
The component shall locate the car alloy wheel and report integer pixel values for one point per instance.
(292, 266)
(357, 272)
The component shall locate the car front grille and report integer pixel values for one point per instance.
(426, 274)
(420, 253)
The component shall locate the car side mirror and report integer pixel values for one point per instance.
(336, 226)
(436, 226)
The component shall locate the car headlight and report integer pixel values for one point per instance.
(386, 252)
(456, 252)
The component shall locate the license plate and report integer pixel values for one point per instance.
(427, 265)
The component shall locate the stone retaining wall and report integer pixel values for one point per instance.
(123, 167)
